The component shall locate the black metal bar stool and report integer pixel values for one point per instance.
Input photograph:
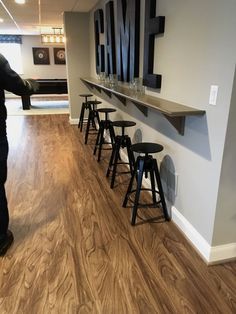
(121, 141)
(92, 117)
(146, 165)
(84, 107)
(104, 126)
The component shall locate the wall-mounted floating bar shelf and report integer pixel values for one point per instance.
(175, 113)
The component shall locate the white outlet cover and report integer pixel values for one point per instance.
(213, 95)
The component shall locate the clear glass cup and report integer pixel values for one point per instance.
(113, 79)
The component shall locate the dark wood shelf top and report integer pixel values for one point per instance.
(174, 112)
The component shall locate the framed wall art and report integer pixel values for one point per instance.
(41, 55)
(59, 55)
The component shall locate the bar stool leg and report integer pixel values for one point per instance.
(96, 116)
(98, 139)
(116, 157)
(137, 194)
(112, 133)
(101, 142)
(153, 184)
(88, 126)
(81, 118)
(130, 155)
(130, 184)
(162, 197)
(111, 159)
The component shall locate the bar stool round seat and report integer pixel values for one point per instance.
(121, 141)
(86, 95)
(104, 125)
(146, 148)
(93, 117)
(106, 110)
(123, 123)
(82, 111)
(146, 165)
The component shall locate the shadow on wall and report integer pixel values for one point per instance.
(196, 135)
(169, 181)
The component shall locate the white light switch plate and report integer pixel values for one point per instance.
(213, 95)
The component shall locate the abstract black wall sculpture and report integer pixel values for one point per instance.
(128, 28)
(99, 48)
(110, 47)
(154, 25)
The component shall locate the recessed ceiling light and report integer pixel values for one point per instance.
(1, 20)
(20, 1)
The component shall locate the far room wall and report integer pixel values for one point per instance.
(51, 71)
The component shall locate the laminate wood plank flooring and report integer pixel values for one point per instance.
(75, 250)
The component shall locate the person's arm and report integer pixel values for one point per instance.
(12, 82)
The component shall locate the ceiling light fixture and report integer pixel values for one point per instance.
(56, 38)
(1, 20)
(20, 1)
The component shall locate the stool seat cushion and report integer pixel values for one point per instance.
(94, 102)
(86, 95)
(146, 148)
(106, 110)
(123, 123)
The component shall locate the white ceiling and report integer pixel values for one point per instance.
(37, 16)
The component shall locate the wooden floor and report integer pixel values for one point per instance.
(75, 250)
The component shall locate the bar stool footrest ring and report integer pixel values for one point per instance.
(146, 204)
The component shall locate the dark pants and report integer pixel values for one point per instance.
(4, 215)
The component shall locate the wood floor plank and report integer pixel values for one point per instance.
(75, 250)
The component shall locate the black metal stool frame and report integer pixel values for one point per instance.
(144, 165)
(93, 115)
(123, 141)
(104, 125)
(84, 107)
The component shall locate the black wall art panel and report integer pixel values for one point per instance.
(154, 25)
(128, 29)
(99, 48)
(41, 55)
(110, 58)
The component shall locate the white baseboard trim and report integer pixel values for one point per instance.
(73, 121)
(222, 253)
(211, 254)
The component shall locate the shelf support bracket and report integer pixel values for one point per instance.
(121, 99)
(142, 108)
(177, 122)
(108, 93)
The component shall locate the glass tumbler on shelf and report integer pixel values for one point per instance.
(113, 80)
(102, 77)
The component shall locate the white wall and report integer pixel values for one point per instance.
(196, 51)
(76, 27)
(51, 71)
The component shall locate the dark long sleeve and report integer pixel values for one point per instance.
(12, 82)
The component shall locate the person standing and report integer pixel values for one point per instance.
(12, 82)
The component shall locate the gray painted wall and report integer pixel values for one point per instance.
(196, 51)
(225, 220)
(77, 53)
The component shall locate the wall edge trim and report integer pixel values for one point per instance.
(211, 254)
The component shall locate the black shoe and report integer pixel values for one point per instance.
(6, 242)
